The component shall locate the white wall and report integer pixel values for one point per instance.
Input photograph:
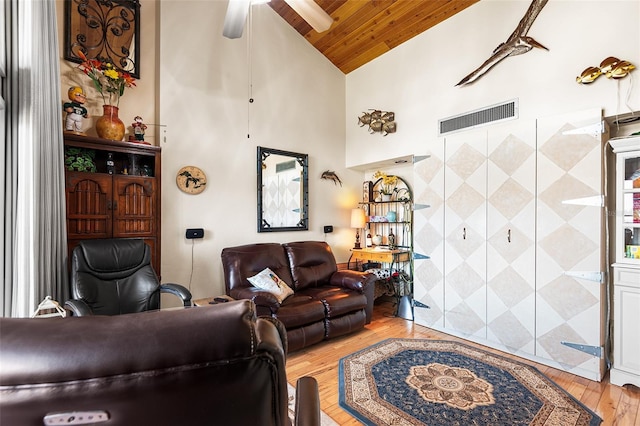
(417, 79)
(299, 106)
(195, 82)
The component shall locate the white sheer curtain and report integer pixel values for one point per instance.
(34, 233)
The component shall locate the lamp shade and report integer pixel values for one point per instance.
(357, 218)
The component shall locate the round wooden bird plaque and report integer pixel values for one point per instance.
(191, 179)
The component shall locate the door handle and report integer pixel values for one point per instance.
(464, 233)
(509, 235)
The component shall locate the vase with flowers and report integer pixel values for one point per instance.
(110, 82)
(387, 184)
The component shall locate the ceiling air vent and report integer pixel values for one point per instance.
(480, 117)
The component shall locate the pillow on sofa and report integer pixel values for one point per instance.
(267, 280)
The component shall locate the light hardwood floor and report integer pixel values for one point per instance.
(614, 404)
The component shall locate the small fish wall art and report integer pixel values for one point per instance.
(378, 121)
(611, 67)
(332, 176)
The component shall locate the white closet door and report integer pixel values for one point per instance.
(465, 255)
(511, 194)
(570, 242)
(428, 239)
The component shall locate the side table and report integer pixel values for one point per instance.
(212, 300)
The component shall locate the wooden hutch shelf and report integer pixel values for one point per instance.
(112, 191)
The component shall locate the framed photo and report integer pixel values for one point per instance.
(367, 191)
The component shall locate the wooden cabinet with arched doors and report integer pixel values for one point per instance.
(112, 190)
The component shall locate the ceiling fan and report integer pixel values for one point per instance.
(308, 10)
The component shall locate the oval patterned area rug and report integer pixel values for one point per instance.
(437, 382)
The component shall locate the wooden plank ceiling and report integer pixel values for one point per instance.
(365, 29)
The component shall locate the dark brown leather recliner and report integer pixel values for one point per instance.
(212, 365)
(326, 302)
(114, 276)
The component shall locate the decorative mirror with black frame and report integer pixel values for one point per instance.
(283, 190)
(106, 30)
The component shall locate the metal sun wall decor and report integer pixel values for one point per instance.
(378, 121)
(611, 67)
(517, 43)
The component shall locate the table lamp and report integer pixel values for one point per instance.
(358, 222)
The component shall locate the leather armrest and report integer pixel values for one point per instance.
(363, 282)
(78, 308)
(177, 290)
(258, 296)
(307, 410)
(282, 331)
(353, 280)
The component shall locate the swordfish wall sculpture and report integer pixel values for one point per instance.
(517, 43)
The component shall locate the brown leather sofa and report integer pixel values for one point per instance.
(326, 302)
(217, 364)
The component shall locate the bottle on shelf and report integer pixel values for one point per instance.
(110, 164)
(391, 240)
(368, 240)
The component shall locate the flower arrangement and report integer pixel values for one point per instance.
(388, 184)
(106, 78)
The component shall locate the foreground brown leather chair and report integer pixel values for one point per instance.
(212, 365)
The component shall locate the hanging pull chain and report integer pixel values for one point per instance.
(249, 68)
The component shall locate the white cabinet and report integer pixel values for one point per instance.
(428, 241)
(465, 255)
(626, 326)
(515, 240)
(570, 243)
(626, 269)
(627, 206)
(479, 233)
(511, 201)
(489, 235)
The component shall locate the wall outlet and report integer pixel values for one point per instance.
(328, 229)
(194, 233)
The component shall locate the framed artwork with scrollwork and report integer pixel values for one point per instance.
(106, 30)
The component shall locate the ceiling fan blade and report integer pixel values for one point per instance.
(312, 13)
(236, 17)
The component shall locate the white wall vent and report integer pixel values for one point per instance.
(481, 117)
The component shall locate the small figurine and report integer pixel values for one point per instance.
(138, 128)
(76, 113)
